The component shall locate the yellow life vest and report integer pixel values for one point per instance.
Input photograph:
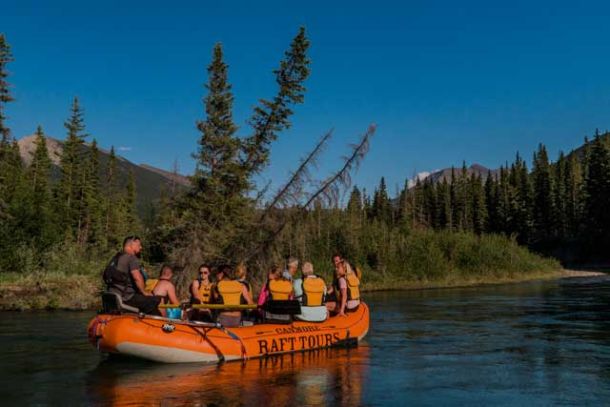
(280, 289)
(313, 291)
(205, 291)
(229, 292)
(150, 285)
(353, 284)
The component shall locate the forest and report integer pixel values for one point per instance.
(60, 225)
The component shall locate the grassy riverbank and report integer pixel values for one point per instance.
(430, 260)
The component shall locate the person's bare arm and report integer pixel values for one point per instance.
(343, 301)
(171, 293)
(195, 291)
(137, 277)
(246, 293)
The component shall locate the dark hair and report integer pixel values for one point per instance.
(129, 239)
(165, 266)
(337, 255)
(206, 265)
(225, 269)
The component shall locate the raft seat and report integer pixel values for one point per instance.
(113, 304)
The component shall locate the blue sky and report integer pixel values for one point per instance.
(445, 81)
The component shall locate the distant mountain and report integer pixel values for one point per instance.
(149, 180)
(445, 173)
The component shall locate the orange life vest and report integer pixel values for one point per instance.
(205, 291)
(229, 292)
(280, 289)
(313, 291)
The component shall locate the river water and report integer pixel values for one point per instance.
(545, 343)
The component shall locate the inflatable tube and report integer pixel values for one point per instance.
(171, 341)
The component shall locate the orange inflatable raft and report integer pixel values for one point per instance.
(175, 341)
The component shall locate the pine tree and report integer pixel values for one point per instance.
(6, 157)
(381, 203)
(597, 193)
(70, 186)
(491, 204)
(479, 207)
(354, 204)
(218, 169)
(573, 186)
(544, 208)
(273, 116)
(38, 175)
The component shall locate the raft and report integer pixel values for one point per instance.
(175, 341)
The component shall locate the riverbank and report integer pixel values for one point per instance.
(80, 292)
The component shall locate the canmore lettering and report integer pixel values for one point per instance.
(296, 343)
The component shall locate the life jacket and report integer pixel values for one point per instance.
(113, 277)
(150, 285)
(353, 290)
(313, 291)
(205, 291)
(280, 289)
(229, 292)
(353, 287)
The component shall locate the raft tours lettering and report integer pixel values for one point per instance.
(296, 343)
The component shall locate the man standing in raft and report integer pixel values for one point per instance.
(123, 277)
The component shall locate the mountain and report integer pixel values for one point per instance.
(445, 173)
(150, 181)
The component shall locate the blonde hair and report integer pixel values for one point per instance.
(307, 268)
(241, 271)
(348, 268)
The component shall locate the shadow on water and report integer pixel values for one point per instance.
(325, 377)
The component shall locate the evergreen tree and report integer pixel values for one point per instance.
(381, 203)
(491, 204)
(70, 186)
(273, 116)
(597, 193)
(479, 208)
(38, 175)
(544, 208)
(7, 158)
(354, 204)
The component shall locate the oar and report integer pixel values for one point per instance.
(212, 306)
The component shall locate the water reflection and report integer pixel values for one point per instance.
(308, 379)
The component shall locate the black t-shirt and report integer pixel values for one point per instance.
(126, 263)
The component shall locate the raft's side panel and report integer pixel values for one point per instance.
(146, 337)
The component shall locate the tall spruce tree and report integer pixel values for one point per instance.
(70, 186)
(544, 207)
(38, 176)
(273, 116)
(597, 194)
(7, 158)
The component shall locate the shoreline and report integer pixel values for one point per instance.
(78, 292)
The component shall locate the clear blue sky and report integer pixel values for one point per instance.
(445, 81)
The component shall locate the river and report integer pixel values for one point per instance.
(543, 343)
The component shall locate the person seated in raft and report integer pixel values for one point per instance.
(344, 290)
(292, 266)
(312, 300)
(281, 289)
(241, 274)
(123, 277)
(229, 292)
(201, 287)
(166, 290)
(274, 274)
(313, 287)
(201, 293)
